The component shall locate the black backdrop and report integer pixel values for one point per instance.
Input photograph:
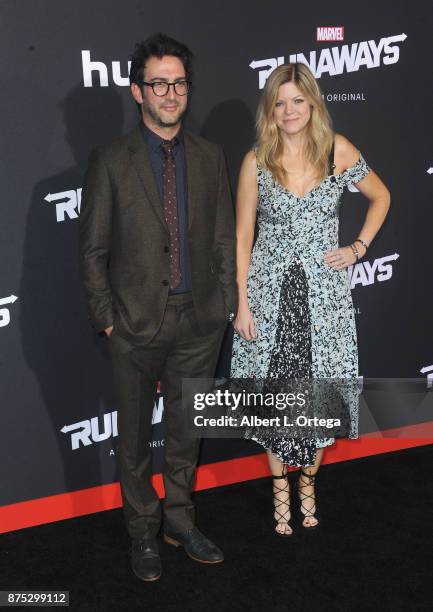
(58, 417)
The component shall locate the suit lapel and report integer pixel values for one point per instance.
(141, 161)
(193, 169)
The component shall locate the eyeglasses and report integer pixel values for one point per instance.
(160, 88)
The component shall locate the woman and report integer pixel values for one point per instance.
(295, 316)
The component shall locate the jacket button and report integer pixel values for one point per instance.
(165, 283)
(166, 249)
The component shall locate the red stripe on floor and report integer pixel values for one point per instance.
(105, 497)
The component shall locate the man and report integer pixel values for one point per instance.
(158, 265)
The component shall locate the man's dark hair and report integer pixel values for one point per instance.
(158, 45)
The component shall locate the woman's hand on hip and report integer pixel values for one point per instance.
(340, 258)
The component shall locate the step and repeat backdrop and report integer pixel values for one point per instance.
(64, 75)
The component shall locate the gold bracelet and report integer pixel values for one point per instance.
(355, 252)
(362, 242)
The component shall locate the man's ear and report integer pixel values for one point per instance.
(136, 93)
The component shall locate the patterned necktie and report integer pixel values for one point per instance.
(170, 210)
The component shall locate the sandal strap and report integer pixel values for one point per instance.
(282, 516)
(307, 512)
(307, 475)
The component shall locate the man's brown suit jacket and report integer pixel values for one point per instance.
(124, 241)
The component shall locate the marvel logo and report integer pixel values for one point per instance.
(325, 33)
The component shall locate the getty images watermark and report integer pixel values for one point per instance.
(251, 402)
(309, 408)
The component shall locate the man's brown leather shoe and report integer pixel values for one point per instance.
(196, 545)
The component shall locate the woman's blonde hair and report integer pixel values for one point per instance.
(320, 135)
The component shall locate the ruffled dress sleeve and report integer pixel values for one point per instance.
(355, 173)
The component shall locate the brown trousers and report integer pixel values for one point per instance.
(178, 351)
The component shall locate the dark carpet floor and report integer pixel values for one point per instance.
(373, 551)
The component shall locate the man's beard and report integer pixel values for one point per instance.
(159, 121)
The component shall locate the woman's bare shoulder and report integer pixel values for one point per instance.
(346, 154)
(249, 163)
(250, 158)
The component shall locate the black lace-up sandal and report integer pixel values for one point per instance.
(281, 518)
(308, 500)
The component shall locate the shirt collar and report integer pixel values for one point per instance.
(154, 141)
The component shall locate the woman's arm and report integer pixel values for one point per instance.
(346, 155)
(246, 211)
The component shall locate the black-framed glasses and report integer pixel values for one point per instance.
(160, 88)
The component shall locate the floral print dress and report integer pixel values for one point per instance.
(302, 308)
